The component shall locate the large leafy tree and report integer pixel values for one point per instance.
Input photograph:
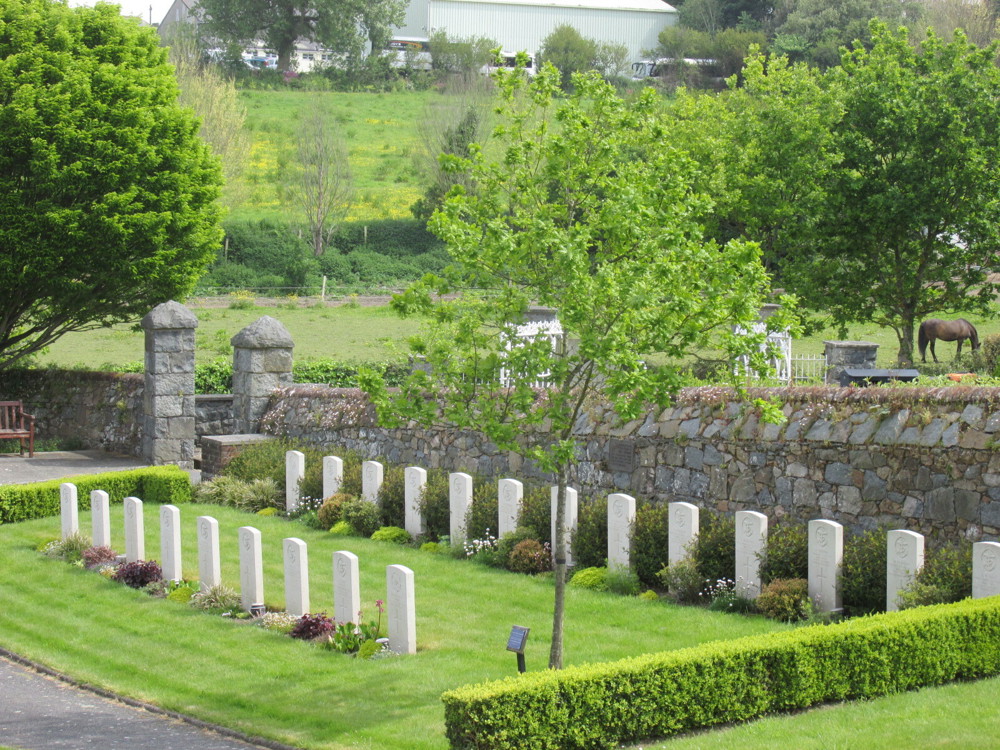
(107, 196)
(911, 224)
(341, 25)
(582, 206)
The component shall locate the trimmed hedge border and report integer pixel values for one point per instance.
(657, 695)
(154, 484)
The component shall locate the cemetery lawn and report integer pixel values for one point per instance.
(265, 684)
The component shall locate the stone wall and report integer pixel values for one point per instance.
(922, 459)
(95, 409)
(213, 415)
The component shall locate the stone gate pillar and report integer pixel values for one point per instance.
(262, 361)
(168, 414)
(848, 355)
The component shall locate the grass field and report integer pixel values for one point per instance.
(379, 130)
(371, 333)
(269, 685)
(347, 334)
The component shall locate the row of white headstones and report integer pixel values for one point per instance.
(825, 538)
(399, 601)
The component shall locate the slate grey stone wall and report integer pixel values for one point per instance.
(922, 459)
(92, 409)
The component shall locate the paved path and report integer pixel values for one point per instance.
(38, 712)
(15, 469)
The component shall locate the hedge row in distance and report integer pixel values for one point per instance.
(154, 484)
(657, 695)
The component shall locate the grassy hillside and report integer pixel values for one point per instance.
(381, 134)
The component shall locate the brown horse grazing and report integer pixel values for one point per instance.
(946, 330)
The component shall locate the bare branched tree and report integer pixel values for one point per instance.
(322, 187)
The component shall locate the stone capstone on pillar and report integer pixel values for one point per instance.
(843, 355)
(168, 420)
(262, 361)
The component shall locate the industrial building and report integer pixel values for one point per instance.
(518, 25)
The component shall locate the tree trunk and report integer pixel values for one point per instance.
(905, 356)
(559, 545)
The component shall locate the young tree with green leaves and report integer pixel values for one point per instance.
(583, 206)
(911, 223)
(108, 199)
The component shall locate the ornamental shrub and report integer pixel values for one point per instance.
(623, 581)
(787, 553)
(251, 496)
(945, 577)
(595, 579)
(590, 540)
(530, 556)
(392, 534)
(311, 626)
(506, 544)
(218, 598)
(862, 573)
(331, 511)
(434, 505)
(154, 484)
(94, 556)
(138, 574)
(536, 512)
(392, 496)
(362, 516)
(266, 460)
(683, 581)
(658, 695)
(342, 528)
(714, 551)
(650, 542)
(482, 517)
(785, 599)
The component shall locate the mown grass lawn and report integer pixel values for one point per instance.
(272, 686)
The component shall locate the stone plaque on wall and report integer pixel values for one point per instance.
(621, 455)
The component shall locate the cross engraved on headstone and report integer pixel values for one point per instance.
(985, 569)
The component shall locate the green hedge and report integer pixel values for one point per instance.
(657, 695)
(155, 484)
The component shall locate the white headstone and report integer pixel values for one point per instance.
(415, 479)
(510, 493)
(346, 587)
(985, 569)
(333, 475)
(569, 521)
(69, 510)
(826, 553)
(904, 557)
(751, 543)
(295, 471)
(170, 543)
(296, 577)
(100, 510)
(371, 481)
(621, 517)
(459, 502)
(402, 609)
(209, 567)
(251, 568)
(682, 530)
(135, 530)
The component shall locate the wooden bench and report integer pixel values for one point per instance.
(16, 423)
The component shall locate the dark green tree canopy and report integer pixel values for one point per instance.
(341, 25)
(107, 196)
